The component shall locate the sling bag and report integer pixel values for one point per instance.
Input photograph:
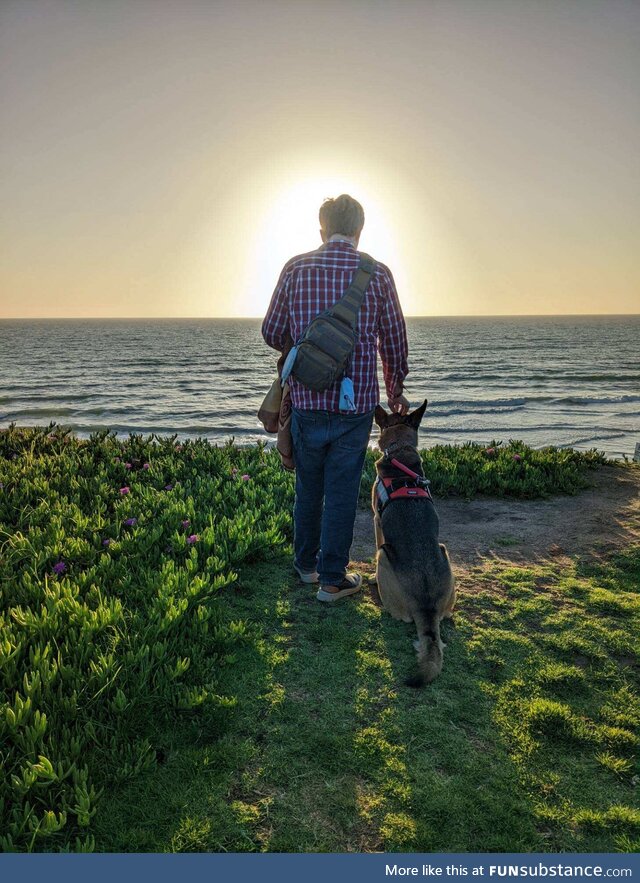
(321, 356)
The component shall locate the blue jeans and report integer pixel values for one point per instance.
(329, 451)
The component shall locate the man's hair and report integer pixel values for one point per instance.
(343, 215)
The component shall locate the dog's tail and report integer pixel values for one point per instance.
(429, 648)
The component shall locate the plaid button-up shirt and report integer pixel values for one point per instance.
(313, 282)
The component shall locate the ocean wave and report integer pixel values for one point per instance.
(521, 401)
(605, 436)
(597, 400)
(481, 403)
(207, 430)
(468, 412)
(48, 397)
(38, 413)
(620, 377)
(516, 431)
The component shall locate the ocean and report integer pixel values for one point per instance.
(570, 381)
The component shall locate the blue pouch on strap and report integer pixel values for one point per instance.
(288, 364)
(346, 395)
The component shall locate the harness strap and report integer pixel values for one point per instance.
(406, 469)
(386, 493)
(348, 306)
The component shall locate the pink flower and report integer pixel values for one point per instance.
(131, 521)
(490, 451)
(124, 491)
(234, 471)
(127, 465)
(116, 459)
(246, 477)
(517, 458)
(186, 523)
(145, 466)
(60, 567)
(193, 539)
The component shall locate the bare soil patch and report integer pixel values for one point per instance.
(592, 523)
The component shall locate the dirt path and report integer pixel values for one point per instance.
(595, 521)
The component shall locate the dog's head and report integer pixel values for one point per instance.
(397, 429)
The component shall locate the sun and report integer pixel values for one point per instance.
(288, 225)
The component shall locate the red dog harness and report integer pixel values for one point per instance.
(388, 489)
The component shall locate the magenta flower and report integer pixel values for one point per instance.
(145, 466)
(131, 521)
(127, 465)
(60, 567)
(168, 487)
(193, 539)
(517, 458)
(246, 477)
(186, 523)
(490, 451)
(106, 542)
(124, 491)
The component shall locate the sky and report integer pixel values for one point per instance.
(165, 159)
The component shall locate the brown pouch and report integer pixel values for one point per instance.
(269, 412)
(285, 442)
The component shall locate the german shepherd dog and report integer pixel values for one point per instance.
(415, 581)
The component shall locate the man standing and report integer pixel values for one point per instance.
(329, 446)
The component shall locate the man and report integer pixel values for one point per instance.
(329, 446)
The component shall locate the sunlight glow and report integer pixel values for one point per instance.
(288, 224)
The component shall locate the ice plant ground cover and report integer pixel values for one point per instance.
(165, 684)
(110, 620)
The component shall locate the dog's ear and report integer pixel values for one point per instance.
(415, 418)
(382, 418)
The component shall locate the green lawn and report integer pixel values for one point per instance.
(527, 742)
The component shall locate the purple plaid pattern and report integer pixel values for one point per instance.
(313, 282)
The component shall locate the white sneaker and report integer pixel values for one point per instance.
(349, 586)
(308, 577)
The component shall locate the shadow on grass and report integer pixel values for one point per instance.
(524, 743)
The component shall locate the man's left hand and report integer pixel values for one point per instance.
(399, 404)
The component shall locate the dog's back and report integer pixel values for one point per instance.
(418, 565)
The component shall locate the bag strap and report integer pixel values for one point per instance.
(348, 306)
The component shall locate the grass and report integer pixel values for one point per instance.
(525, 743)
(176, 689)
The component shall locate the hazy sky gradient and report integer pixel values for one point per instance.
(165, 158)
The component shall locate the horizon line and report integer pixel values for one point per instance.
(254, 318)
